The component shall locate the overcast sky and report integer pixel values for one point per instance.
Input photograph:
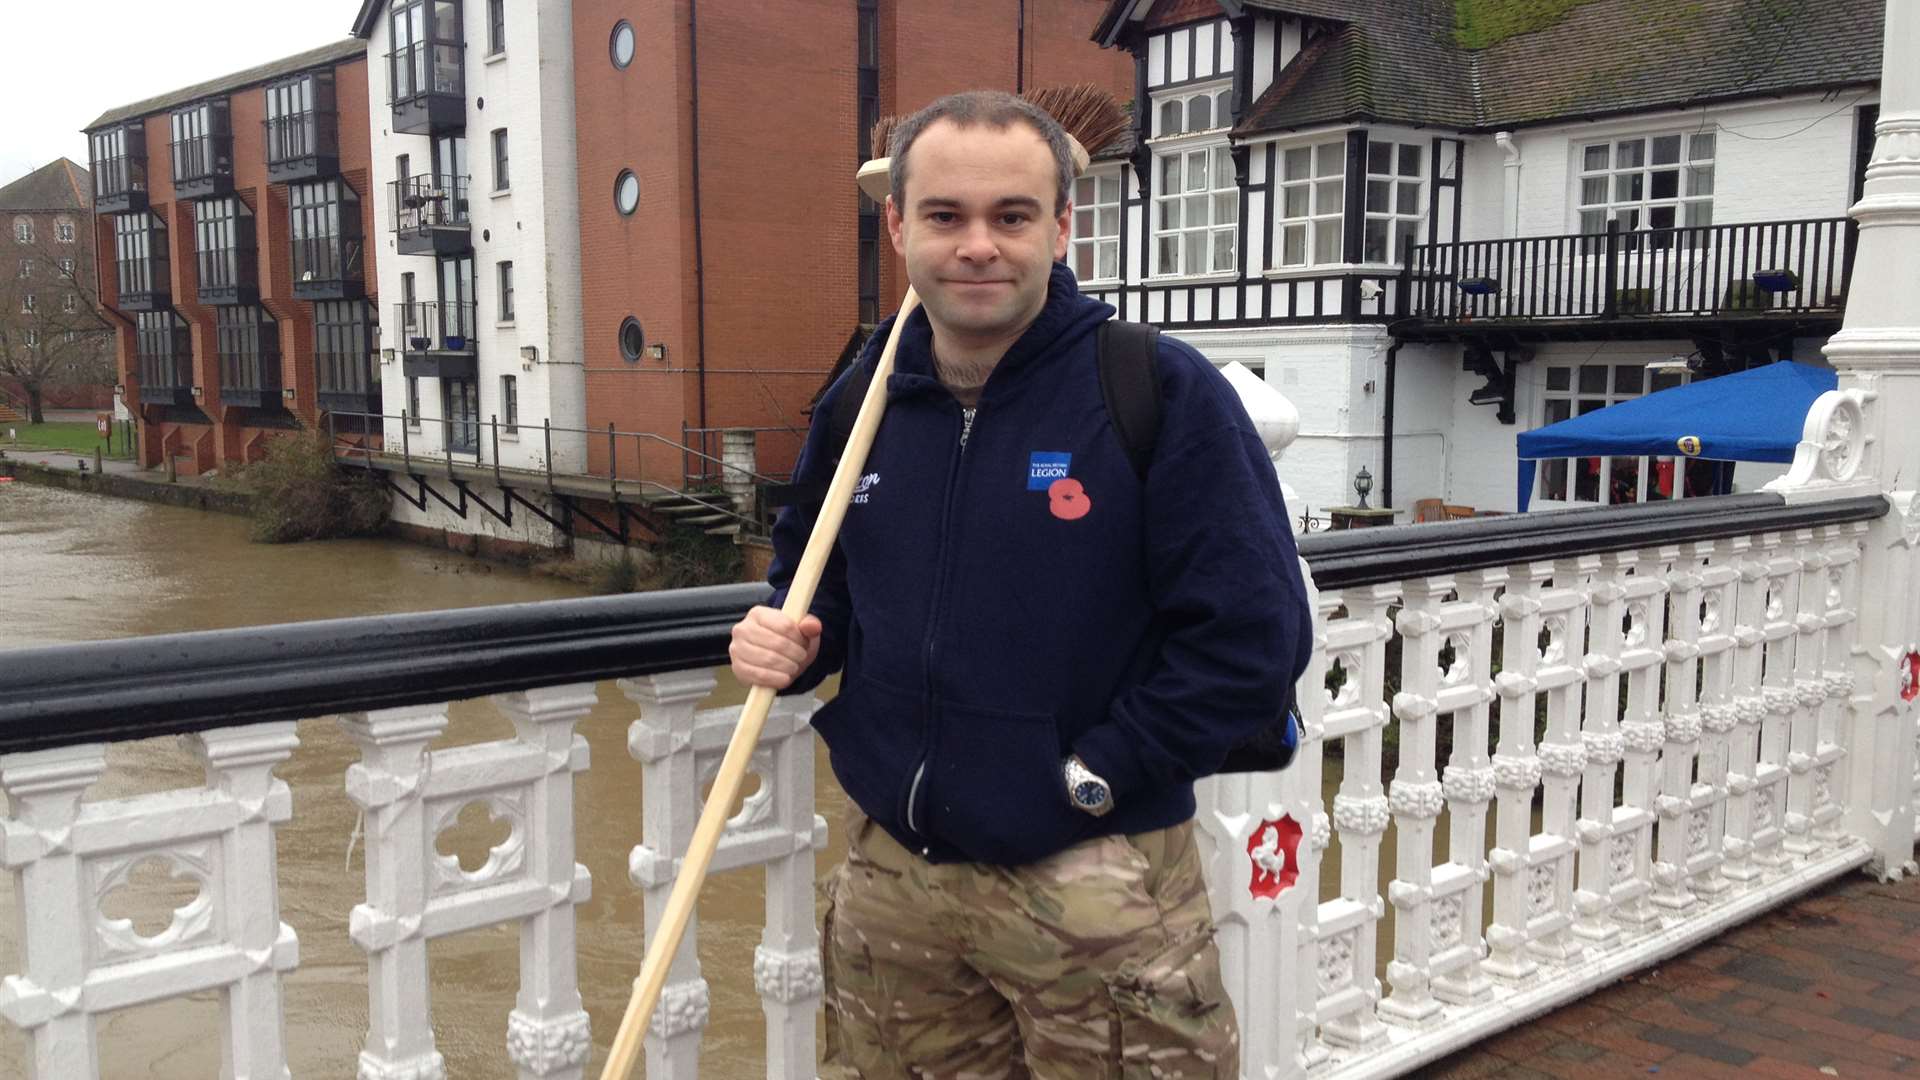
(72, 60)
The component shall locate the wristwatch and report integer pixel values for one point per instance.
(1085, 789)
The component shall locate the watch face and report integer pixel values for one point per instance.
(1090, 793)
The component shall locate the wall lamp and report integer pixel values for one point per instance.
(119, 389)
(287, 393)
(657, 350)
(196, 391)
(529, 356)
(386, 356)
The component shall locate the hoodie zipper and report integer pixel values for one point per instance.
(967, 416)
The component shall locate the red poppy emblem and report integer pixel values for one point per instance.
(1067, 499)
(1273, 850)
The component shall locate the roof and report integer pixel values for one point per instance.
(57, 185)
(1492, 64)
(337, 52)
(363, 22)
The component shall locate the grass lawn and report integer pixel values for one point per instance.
(78, 436)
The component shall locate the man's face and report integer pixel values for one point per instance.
(979, 231)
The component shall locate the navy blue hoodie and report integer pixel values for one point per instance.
(1000, 604)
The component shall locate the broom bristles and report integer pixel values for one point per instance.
(1086, 112)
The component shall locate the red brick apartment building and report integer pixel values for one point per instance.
(728, 260)
(231, 219)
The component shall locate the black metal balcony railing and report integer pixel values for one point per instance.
(203, 165)
(166, 364)
(120, 184)
(303, 145)
(1794, 268)
(427, 81)
(230, 275)
(250, 363)
(146, 284)
(437, 326)
(431, 214)
(328, 268)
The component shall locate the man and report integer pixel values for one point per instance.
(1042, 651)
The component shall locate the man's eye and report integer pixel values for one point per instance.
(943, 217)
(1013, 220)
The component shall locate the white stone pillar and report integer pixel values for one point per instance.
(239, 764)
(738, 456)
(662, 739)
(1878, 352)
(548, 1034)
(55, 905)
(387, 784)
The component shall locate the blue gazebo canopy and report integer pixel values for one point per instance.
(1753, 415)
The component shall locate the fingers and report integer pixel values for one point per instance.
(769, 649)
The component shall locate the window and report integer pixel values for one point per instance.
(70, 303)
(66, 269)
(224, 248)
(867, 215)
(460, 409)
(413, 402)
(26, 269)
(621, 46)
(1647, 182)
(29, 304)
(1575, 390)
(249, 344)
(626, 192)
(23, 230)
(1396, 179)
(302, 119)
(632, 340)
(426, 57)
(1096, 227)
(409, 309)
(1203, 110)
(500, 181)
(119, 163)
(140, 246)
(346, 376)
(509, 405)
(202, 142)
(162, 342)
(1313, 199)
(63, 231)
(506, 292)
(326, 231)
(496, 27)
(1196, 212)
(32, 338)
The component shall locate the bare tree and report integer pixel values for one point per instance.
(52, 331)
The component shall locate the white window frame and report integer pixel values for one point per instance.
(1315, 190)
(1385, 201)
(1095, 227)
(1174, 113)
(32, 338)
(63, 232)
(1628, 189)
(71, 304)
(29, 304)
(1177, 135)
(23, 230)
(66, 267)
(1579, 402)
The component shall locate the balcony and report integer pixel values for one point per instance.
(143, 270)
(1780, 275)
(249, 344)
(226, 252)
(328, 268)
(430, 215)
(164, 347)
(119, 170)
(203, 166)
(437, 339)
(303, 146)
(427, 80)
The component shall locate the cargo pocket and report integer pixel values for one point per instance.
(994, 788)
(1172, 1016)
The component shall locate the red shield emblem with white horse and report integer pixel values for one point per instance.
(1273, 850)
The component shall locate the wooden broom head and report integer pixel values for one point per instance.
(880, 141)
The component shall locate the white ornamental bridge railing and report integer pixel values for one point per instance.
(1671, 713)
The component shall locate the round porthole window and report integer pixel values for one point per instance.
(626, 192)
(632, 341)
(622, 44)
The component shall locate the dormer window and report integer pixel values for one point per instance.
(1184, 114)
(120, 169)
(202, 150)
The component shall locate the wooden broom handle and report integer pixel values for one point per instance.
(753, 717)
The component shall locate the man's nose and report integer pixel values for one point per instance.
(977, 243)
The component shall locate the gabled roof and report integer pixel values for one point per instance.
(57, 185)
(339, 51)
(1491, 64)
(363, 22)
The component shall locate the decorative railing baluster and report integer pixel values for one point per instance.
(1749, 708)
(1466, 696)
(1416, 799)
(1678, 798)
(1604, 746)
(1563, 759)
(1839, 604)
(1642, 656)
(1778, 698)
(1516, 776)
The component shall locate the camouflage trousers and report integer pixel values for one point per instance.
(1096, 963)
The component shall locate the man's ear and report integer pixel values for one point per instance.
(1064, 227)
(895, 228)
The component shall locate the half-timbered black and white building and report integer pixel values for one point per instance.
(1434, 224)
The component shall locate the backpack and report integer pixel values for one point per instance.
(1130, 382)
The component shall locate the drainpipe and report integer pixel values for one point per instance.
(1504, 140)
(1020, 50)
(699, 247)
(1386, 442)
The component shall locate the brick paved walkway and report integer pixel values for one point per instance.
(1827, 986)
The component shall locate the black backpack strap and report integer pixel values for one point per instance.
(846, 410)
(1130, 382)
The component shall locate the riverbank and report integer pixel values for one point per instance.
(122, 480)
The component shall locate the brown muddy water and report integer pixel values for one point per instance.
(76, 567)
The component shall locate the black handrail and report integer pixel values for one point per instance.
(1767, 267)
(141, 687)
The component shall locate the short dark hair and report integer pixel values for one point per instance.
(996, 109)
